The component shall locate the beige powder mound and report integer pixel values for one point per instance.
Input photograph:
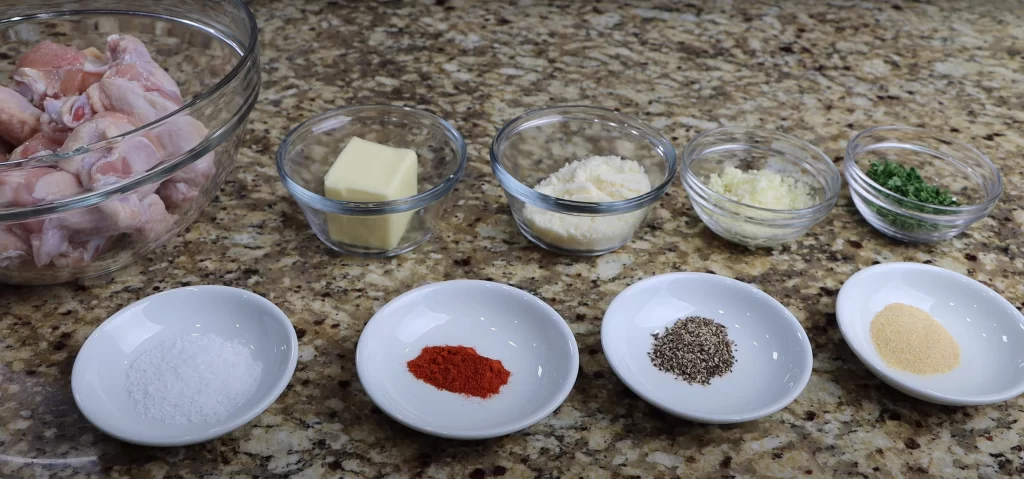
(910, 340)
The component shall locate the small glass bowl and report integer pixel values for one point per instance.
(757, 149)
(540, 142)
(310, 149)
(967, 173)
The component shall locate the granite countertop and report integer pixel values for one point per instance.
(818, 70)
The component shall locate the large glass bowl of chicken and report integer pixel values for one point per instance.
(119, 121)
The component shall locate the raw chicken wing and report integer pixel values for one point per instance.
(134, 63)
(66, 113)
(44, 143)
(52, 70)
(28, 187)
(79, 253)
(127, 49)
(19, 120)
(150, 77)
(126, 89)
(129, 98)
(174, 138)
(111, 164)
(133, 84)
(16, 246)
(17, 187)
(143, 214)
(86, 100)
(184, 186)
(13, 247)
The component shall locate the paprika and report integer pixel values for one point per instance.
(459, 369)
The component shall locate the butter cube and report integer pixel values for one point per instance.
(368, 171)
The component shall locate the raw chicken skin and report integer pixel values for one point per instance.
(57, 186)
(153, 95)
(52, 70)
(42, 144)
(79, 253)
(17, 187)
(146, 96)
(184, 186)
(127, 49)
(178, 135)
(136, 213)
(19, 120)
(56, 234)
(150, 77)
(13, 247)
(158, 221)
(129, 98)
(109, 164)
(29, 187)
(174, 138)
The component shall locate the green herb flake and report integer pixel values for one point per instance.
(907, 182)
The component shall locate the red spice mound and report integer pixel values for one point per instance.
(460, 370)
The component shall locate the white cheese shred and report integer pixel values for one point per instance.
(595, 179)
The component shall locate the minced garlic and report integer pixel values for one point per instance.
(763, 188)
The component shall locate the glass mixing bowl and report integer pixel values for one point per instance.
(538, 143)
(972, 179)
(309, 151)
(712, 152)
(210, 48)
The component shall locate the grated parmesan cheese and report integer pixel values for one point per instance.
(763, 188)
(594, 179)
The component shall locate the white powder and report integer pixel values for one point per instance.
(192, 379)
(595, 179)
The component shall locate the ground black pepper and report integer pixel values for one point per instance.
(694, 349)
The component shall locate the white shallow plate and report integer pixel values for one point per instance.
(529, 338)
(988, 328)
(773, 355)
(98, 377)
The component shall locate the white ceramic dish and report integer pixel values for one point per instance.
(989, 330)
(530, 339)
(773, 355)
(98, 377)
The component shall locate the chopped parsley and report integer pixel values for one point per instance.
(907, 182)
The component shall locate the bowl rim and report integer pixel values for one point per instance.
(550, 114)
(275, 313)
(549, 407)
(880, 370)
(855, 175)
(692, 182)
(622, 371)
(370, 208)
(166, 168)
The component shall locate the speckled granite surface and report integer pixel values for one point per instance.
(819, 70)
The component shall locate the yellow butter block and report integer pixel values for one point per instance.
(368, 171)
